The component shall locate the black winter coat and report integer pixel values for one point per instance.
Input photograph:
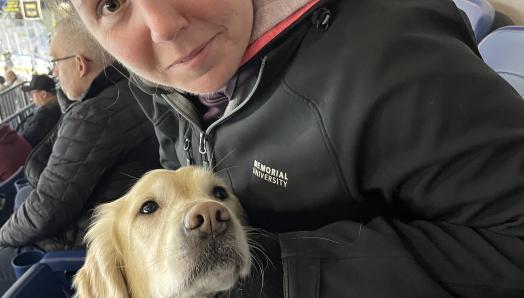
(102, 144)
(385, 153)
(40, 123)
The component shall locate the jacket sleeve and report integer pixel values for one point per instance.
(444, 147)
(449, 168)
(85, 148)
(37, 160)
(438, 139)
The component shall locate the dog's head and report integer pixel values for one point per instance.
(175, 234)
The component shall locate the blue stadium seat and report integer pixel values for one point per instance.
(67, 260)
(7, 195)
(38, 281)
(51, 277)
(480, 14)
(503, 51)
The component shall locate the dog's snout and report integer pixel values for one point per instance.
(207, 218)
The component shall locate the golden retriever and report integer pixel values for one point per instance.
(175, 234)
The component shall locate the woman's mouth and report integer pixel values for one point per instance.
(195, 57)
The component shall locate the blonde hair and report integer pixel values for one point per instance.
(74, 38)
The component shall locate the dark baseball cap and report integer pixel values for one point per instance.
(40, 82)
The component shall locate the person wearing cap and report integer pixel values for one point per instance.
(47, 110)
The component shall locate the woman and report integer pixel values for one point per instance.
(368, 134)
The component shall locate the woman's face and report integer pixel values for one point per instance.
(191, 45)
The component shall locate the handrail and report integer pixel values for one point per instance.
(15, 119)
(10, 88)
(27, 108)
(12, 100)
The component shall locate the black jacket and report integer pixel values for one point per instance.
(40, 123)
(383, 151)
(102, 144)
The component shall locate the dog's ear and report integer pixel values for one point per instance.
(103, 272)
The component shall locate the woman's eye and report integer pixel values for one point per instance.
(149, 207)
(220, 193)
(110, 7)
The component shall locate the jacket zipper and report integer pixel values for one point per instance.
(187, 140)
(249, 96)
(202, 149)
(204, 144)
(187, 149)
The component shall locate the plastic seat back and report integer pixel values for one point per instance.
(503, 51)
(67, 260)
(480, 14)
(50, 277)
(38, 281)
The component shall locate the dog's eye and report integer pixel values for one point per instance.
(220, 193)
(149, 207)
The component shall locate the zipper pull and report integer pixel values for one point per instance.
(202, 149)
(187, 149)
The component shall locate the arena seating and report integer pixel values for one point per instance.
(503, 50)
(51, 277)
(480, 14)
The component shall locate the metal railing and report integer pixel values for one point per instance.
(15, 104)
(17, 118)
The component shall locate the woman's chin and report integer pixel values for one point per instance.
(202, 86)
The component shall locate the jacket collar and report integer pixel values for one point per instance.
(279, 51)
(109, 76)
(273, 17)
(268, 13)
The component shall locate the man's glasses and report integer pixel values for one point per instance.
(54, 62)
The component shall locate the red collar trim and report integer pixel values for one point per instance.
(267, 37)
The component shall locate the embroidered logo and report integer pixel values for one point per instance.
(270, 174)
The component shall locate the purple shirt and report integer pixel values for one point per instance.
(212, 106)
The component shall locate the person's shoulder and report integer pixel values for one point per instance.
(114, 101)
(8, 135)
(89, 109)
(371, 27)
(387, 6)
(51, 107)
(382, 14)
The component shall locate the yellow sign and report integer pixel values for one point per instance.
(31, 9)
(12, 6)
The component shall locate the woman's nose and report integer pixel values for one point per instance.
(163, 18)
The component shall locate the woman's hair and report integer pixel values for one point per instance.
(60, 8)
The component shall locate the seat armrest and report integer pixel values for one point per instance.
(68, 260)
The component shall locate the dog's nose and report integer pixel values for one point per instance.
(207, 218)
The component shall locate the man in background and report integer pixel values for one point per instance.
(100, 146)
(47, 110)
